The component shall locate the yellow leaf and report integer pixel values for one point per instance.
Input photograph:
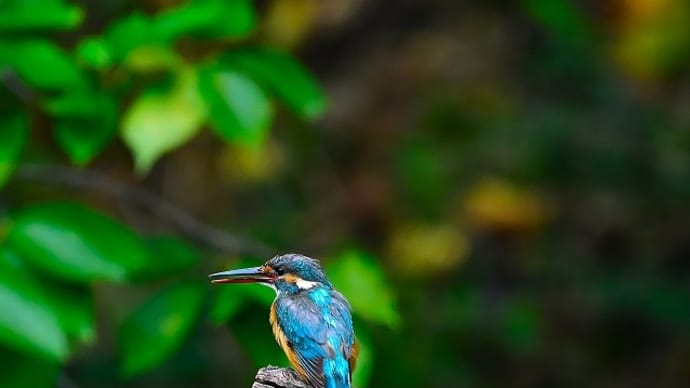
(158, 122)
(497, 204)
(419, 250)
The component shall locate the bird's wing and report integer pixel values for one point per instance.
(350, 347)
(316, 334)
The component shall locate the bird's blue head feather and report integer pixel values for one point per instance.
(293, 266)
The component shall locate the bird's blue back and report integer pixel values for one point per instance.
(318, 328)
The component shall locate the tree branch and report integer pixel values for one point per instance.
(274, 377)
(16, 85)
(64, 381)
(183, 221)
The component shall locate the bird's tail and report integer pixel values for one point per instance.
(337, 374)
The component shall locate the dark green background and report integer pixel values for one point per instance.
(501, 189)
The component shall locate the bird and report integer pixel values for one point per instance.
(311, 320)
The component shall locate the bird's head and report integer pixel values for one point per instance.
(289, 273)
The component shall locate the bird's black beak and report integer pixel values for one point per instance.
(244, 275)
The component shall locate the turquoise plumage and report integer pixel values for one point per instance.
(310, 319)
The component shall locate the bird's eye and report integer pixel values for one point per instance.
(279, 271)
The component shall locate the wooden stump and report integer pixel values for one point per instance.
(274, 377)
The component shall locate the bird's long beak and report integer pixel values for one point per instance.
(244, 275)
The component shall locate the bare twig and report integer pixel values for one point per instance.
(274, 377)
(88, 179)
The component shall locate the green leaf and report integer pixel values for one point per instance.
(134, 41)
(83, 139)
(85, 124)
(158, 327)
(226, 304)
(28, 322)
(80, 103)
(160, 121)
(71, 305)
(170, 255)
(75, 243)
(282, 75)
(152, 58)
(95, 52)
(18, 369)
(14, 134)
(207, 19)
(239, 109)
(360, 278)
(41, 64)
(230, 299)
(17, 16)
(130, 32)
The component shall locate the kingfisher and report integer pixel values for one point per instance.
(311, 321)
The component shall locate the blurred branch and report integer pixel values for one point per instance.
(180, 219)
(274, 377)
(15, 85)
(65, 381)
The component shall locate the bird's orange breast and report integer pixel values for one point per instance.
(354, 353)
(283, 342)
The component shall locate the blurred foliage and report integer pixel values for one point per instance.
(158, 326)
(501, 189)
(161, 77)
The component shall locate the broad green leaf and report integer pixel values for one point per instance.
(160, 121)
(86, 122)
(360, 278)
(206, 18)
(71, 305)
(28, 323)
(158, 327)
(41, 64)
(282, 75)
(169, 255)
(239, 109)
(19, 369)
(75, 243)
(17, 16)
(14, 134)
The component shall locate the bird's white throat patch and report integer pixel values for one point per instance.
(305, 284)
(300, 283)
